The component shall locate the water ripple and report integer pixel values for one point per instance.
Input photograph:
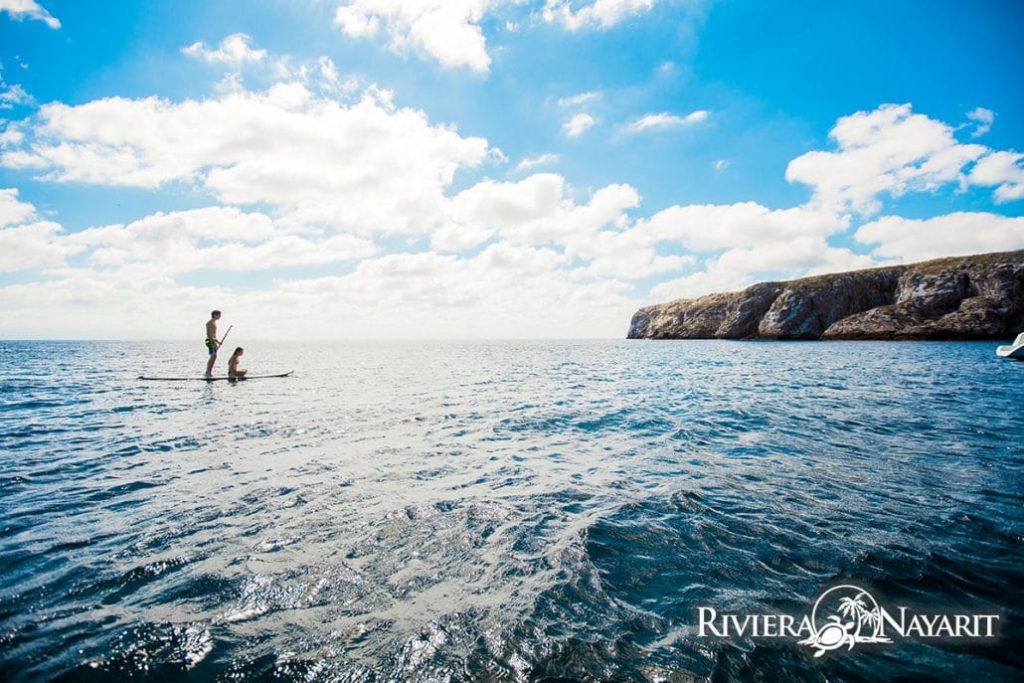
(499, 511)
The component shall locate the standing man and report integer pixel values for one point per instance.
(211, 341)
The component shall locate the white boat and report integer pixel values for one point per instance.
(1015, 350)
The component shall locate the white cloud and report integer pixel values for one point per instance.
(578, 100)
(602, 14)
(625, 255)
(747, 242)
(26, 245)
(13, 211)
(450, 31)
(742, 266)
(446, 30)
(456, 237)
(983, 119)
(10, 134)
(218, 238)
(31, 246)
(357, 21)
(367, 168)
(529, 163)
(889, 150)
(504, 291)
(665, 120)
(236, 50)
(709, 227)
(13, 95)
(955, 234)
(578, 124)
(21, 9)
(1005, 170)
(539, 210)
(307, 180)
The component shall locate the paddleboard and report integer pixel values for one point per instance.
(213, 379)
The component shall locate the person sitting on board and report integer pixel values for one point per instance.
(211, 341)
(233, 370)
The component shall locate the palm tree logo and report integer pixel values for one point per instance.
(857, 608)
(845, 615)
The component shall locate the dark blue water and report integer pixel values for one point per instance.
(501, 511)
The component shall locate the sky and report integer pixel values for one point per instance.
(377, 169)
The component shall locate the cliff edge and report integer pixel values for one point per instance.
(968, 297)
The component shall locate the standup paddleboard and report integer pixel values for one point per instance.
(213, 379)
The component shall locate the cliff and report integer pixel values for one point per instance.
(969, 297)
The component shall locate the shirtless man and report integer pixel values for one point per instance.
(211, 341)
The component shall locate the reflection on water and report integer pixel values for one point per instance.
(499, 511)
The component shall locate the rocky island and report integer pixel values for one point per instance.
(968, 297)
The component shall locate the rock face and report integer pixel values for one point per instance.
(970, 297)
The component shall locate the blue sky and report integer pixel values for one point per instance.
(485, 168)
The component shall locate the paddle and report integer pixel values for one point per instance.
(221, 342)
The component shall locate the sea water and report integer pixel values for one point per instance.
(437, 511)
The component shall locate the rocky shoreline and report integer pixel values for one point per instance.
(969, 297)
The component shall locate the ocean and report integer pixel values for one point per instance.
(506, 510)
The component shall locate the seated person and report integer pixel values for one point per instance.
(233, 369)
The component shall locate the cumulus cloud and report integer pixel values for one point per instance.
(578, 100)
(368, 167)
(742, 266)
(305, 180)
(22, 9)
(959, 233)
(450, 31)
(10, 134)
(601, 14)
(504, 291)
(889, 150)
(13, 211)
(31, 246)
(235, 50)
(27, 243)
(13, 95)
(219, 238)
(665, 120)
(578, 124)
(529, 163)
(537, 210)
(447, 31)
(709, 227)
(1005, 171)
(983, 119)
(745, 241)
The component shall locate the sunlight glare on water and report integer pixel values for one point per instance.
(498, 510)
